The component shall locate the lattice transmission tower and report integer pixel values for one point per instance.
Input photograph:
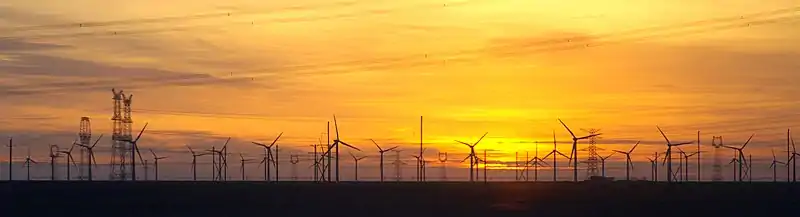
(121, 149)
(398, 166)
(593, 159)
(717, 143)
(85, 136)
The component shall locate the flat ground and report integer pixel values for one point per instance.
(200, 199)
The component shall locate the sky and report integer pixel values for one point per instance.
(203, 71)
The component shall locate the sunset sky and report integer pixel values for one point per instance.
(507, 67)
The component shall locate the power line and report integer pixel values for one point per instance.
(392, 62)
(170, 18)
(219, 25)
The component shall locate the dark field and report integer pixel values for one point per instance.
(145, 199)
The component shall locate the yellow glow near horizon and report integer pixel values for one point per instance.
(470, 67)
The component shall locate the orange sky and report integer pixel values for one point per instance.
(469, 67)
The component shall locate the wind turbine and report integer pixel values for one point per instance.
(536, 162)
(628, 162)
(28, 162)
(335, 145)
(69, 160)
(90, 150)
(222, 157)
(356, 159)
(740, 153)
(241, 168)
(774, 166)
(53, 155)
(603, 163)
(668, 156)
(734, 160)
(574, 154)
(419, 165)
(382, 151)
(554, 152)
(194, 162)
(135, 148)
(654, 166)
(269, 158)
(793, 159)
(686, 165)
(155, 163)
(472, 157)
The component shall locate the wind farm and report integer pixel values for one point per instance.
(266, 84)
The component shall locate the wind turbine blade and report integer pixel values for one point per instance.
(225, 146)
(376, 145)
(748, 141)
(98, 140)
(136, 146)
(276, 139)
(630, 163)
(662, 134)
(336, 126)
(190, 149)
(140, 132)
(590, 136)
(479, 140)
(94, 160)
(348, 145)
(773, 154)
(621, 152)
(565, 126)
(669, 151)
(154, 154)
(352, 155)
(465, 159)
(467, 144)
(548, 155)
(634, 147)
(574, 151)
(390, 149)
(562, 154)
(72, 159)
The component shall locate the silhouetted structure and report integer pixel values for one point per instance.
(90, 151)
(591, 162)
(121, 149)
(70, 160)
(628, 162)
(381, 151)
(85, 138)
(668, 156)
(742, 161)
(472, 157)
(268, 157)
(573, 156)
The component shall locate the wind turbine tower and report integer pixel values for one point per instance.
(294, 159)
(122, 134)
(717, 143)
(85, 136)
(592, 161)
(443, 161)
